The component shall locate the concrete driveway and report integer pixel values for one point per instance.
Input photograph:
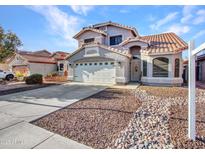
(17, 110)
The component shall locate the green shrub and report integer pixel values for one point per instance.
(34, 79)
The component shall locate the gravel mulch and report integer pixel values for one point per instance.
(161, 121)
(95, 121)
(149, 127)
(178, 123)
(165, 92)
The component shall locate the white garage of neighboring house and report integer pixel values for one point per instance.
(30, 63)
(98, 64)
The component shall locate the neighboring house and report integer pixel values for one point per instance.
(61, 61)
(114, 53)
(200, 68)
(41, 62)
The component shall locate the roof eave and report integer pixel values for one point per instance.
(84, 30)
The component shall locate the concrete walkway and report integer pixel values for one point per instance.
(17, 110)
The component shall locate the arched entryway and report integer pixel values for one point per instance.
(135, 64)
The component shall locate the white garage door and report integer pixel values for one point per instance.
(95, 72)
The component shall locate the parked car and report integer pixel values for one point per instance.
(6, 75)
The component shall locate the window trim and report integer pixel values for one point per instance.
(93, 40)
(115, 36)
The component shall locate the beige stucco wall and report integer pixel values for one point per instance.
(65, 62)
(162, 80)
(42, 68)
(113, 31)
(121, 62)
(90, 34)
(110, 30)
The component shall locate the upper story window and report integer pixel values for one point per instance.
(115, 40)
(89, 40)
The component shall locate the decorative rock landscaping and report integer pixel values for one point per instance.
(95, 121)
(149, 127)
(153, 125)
(147, 118)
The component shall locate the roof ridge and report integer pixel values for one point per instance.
(89, 28)
(116, 24)
(35, 55)
(158, 34)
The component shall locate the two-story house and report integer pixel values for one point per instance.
(113, 53)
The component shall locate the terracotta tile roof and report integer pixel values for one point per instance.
(164, 43)
(89, 29)
(37, 59)
(116, 50)
(40, 53)
(134, 40)
(60, 55)
(117, 25)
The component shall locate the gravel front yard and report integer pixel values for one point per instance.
(95, 121)
(115, 118)
(161, 121)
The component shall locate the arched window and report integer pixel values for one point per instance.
(177, 66)
(160, 67)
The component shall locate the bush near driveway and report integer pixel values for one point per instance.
(34, 79)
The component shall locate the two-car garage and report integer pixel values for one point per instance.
(95, 72)
(96, 63)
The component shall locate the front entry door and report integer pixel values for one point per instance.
(135, 70)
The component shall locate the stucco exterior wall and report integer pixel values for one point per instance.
(89, 34)
(170, 80)
(121, 62)
(65, 63)
(113, 31)
(110, 30)
(42, 68)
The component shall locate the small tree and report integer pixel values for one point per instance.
(8, 43)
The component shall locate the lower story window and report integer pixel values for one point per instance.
(177, 67)
(144, 68)
(160, 67)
